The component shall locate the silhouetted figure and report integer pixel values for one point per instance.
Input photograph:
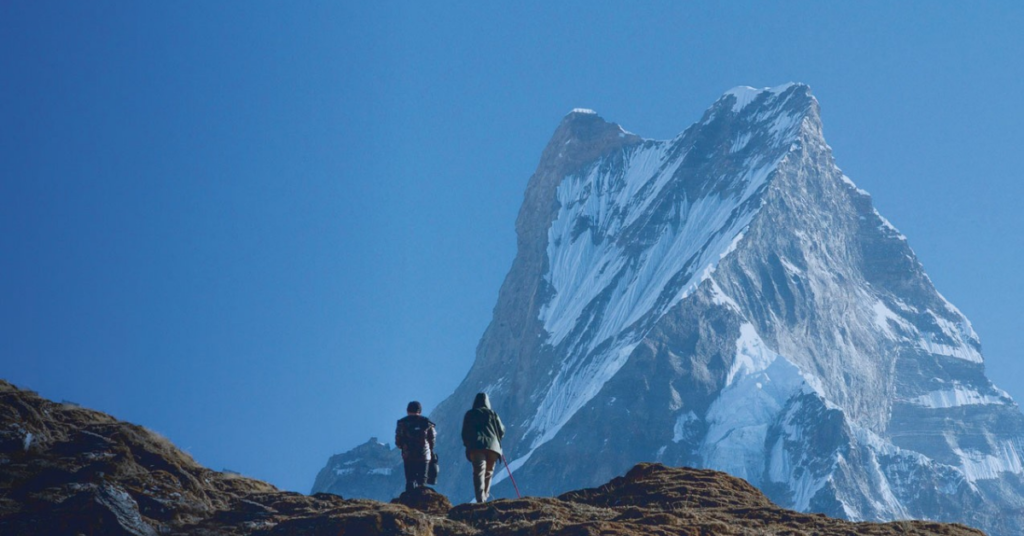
(481, 434)
(415, 435)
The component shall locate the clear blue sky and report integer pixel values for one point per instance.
(261, 228)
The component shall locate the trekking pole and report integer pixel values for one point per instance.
(507, 468)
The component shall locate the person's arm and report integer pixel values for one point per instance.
(501, 427)
(431, 437)
(467, 432)
(398, 435)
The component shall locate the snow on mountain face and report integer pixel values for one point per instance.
(369, 470)
(730, 299)
(608, 291)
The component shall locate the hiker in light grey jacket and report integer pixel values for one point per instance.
(481, 434)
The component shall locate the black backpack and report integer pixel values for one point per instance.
(433, 470)
(414, 433)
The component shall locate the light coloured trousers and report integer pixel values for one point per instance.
(483, 469)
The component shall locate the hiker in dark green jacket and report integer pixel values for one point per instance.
(481, 434)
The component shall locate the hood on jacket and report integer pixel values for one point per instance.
(482, 401)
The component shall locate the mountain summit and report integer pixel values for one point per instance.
(729, 299)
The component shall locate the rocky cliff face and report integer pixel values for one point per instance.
(69, 470)
(730, 299)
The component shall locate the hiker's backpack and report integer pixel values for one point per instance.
(414, 435)
(415, 432)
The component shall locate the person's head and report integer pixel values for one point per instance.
(481, 401)
(414, 408)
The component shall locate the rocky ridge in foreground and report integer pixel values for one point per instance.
(69, 470)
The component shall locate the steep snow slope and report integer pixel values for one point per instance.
(606, 289)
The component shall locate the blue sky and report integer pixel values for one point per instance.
(261, 228)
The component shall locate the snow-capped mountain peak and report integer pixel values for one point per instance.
(730, 299)
(744, 95)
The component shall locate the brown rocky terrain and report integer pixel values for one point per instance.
(69, 470)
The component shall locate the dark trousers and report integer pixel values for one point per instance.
(415, 473)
